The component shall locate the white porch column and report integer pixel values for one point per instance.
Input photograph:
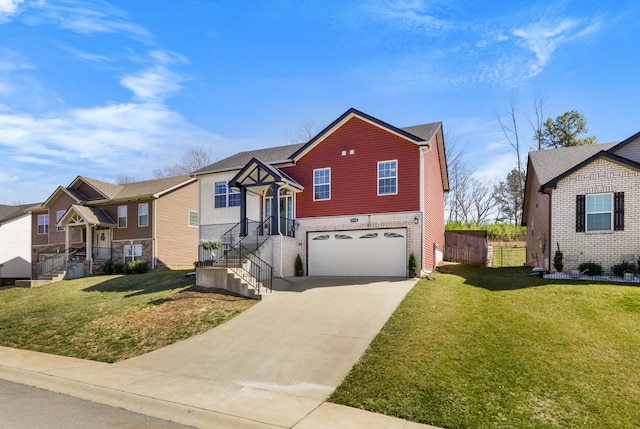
(89, 250)
(67, 242)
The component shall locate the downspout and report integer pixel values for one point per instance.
(154, 240)
(422, 188)
(549, 244)
(280, 230)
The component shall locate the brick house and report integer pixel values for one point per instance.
(91, 221)
(584, 200)
(355, 200)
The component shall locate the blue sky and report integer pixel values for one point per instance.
(104, 88)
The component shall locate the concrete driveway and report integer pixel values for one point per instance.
(301, 340)
(271, 366)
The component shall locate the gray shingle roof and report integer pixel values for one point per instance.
(284, 153)
(136, 189)
(8, 213)
(268, 156)
(424, 131)
(94, 216)
(549, 164)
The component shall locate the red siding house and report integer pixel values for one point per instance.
(355, 200)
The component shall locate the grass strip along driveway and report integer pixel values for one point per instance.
(497, 348)
(111, 318)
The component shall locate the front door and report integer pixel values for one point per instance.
(102, 244)
(286, 215)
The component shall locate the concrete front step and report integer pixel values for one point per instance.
(224, 278)
(44, 280)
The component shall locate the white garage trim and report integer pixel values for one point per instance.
(362, 252)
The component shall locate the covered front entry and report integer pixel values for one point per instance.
(370, 252)
(97, 226)
(102, 243)
(269, 183)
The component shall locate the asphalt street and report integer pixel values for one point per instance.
(25, 407)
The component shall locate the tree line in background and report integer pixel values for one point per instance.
(475, 202)
(192, 160)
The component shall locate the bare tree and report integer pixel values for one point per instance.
(193, 159)
(125, 178)
(307, 130)
(482, 202)
(509, 126)
(537, 125)
(459, 174)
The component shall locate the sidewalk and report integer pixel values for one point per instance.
(271, 367)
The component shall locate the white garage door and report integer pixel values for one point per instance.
(377, 252)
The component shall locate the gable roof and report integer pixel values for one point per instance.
(552, 184)
(108, 190)
(257, 173)
(9, 213)
(273, 155)
(551, 163)
(625, 142)
(151, 188)
(329, 129)
(91, 215)
(145, 189)
(425, 131)
(280, 155)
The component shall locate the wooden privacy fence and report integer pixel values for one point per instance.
(466, 247)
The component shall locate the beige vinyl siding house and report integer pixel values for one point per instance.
(93, 222)
(585, 200)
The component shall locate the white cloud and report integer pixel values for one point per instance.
(5, 178)
(104, 141)
(412, 13)
(153, 83)
(86, 56)
(494, 169)
(543, 38)
(89, 17)
(8, 8)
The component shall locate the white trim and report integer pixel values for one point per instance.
(586, 213)
(189, 219)
(143, 204)
(321, 184)
(154, 234)
(46, 232)
(58, 217)
(345, 120)
(378, 181)
(126, 217)
(179, 185)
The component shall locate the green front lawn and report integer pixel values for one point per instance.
(111, 318)
(497, 348)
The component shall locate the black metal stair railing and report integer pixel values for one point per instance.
(237, 253)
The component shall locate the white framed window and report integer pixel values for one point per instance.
(193, 218)
(59, 215)
(599, 212)
(225, 197)
(143, 214)
(43, 224)
(122, 216)
(321, 184)
(388, 177)
(132, 252)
